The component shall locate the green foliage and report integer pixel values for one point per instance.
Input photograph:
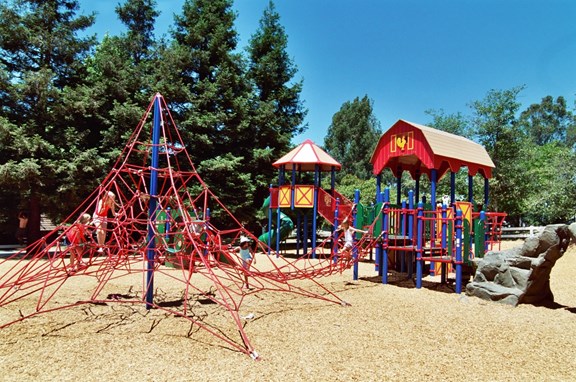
(549, 121)
(276, 110)
(69, 105)
(352, 137)
(451, 123)
(41, 59)
(348, 185)
(551, 169)
(494, 123)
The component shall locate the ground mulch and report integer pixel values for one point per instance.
(389, 332)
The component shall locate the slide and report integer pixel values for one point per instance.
(286, 226)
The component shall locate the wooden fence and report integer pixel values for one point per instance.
(513, 233)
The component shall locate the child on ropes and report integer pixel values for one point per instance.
(77, 237)
(247, 255)
(348, 236)
(99, 219)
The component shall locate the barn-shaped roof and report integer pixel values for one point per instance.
(306, 156)
(408, 146)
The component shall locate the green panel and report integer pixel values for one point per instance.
(360, 218)
(466, 243)
(479, 241)
(378, 224)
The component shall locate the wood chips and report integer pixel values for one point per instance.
(390, 332)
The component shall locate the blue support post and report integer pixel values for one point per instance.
(410, 230)
(152, 204)
(458, 262)
(385, 225)
(419, 249)
(269, 241)
(403, 223)
(433, 180)
(315, 208)
(355, 248)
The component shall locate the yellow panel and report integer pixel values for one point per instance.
(284, 196)
(466, 208)
(304, 197)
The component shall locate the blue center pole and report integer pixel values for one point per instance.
(151, 249)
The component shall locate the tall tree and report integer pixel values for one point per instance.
(352, 137)
(121, 72)
(278, 112)
(45, 156)
(549, 121)
(212, 99)
(494, 124)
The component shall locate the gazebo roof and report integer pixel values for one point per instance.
(408, 146)
(306, 156)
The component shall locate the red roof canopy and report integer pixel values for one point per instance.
(408, 146)
(306, 156)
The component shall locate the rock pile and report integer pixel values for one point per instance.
(522, 274)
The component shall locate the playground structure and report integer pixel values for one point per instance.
(309, 201)
(441, 235)
(163, 227)
(409, 235)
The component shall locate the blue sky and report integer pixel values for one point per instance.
(408, 56)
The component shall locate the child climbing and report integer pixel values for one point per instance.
(348, 236)
(247, 255)
(77, 237)
(99, 219)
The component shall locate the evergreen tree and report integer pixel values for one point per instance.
(45, 157)
(278, 112)
(211, 100)
(352, 137)
(121, 72)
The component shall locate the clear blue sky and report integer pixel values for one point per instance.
(408, 56)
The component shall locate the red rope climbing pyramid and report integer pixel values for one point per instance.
(177, 240)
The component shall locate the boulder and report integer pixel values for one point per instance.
(522, 274)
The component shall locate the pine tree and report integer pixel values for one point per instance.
(278, 112)
(45, 160)
(121, 73)
(211, 100)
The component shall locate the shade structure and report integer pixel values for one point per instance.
(306, 156)
(419, 149)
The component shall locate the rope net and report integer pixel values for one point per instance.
(177, 239)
